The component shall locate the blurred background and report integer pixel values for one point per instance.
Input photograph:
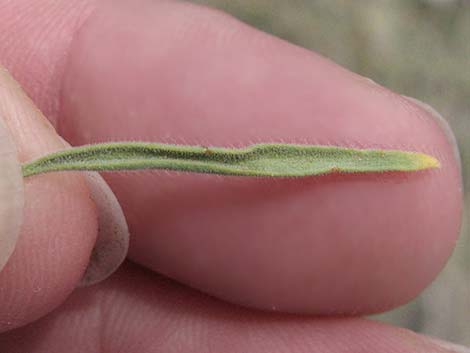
(420, 48)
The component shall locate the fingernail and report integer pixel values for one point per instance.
(442, 123)
(112, 241)
(11, 195)
(450, 347)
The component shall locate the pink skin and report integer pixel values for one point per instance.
(141, 312)
(173, 72)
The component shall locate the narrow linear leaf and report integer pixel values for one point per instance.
(272, 160)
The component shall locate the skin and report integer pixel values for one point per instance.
(320, 246)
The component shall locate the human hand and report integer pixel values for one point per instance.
(168, 71)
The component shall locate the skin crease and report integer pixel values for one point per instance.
(317, 245)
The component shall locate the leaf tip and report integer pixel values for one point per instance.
(424, 161)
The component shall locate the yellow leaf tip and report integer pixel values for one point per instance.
(425, 161)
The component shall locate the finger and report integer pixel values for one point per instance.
(59, 220)
(322, 245)
(11, 189)
(139, 312)
(34, 41)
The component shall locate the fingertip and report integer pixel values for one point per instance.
(443, 124)
(59, 219)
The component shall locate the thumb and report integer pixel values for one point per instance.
(12, 195)
(48, 241)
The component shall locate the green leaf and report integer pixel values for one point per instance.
(272, 160)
